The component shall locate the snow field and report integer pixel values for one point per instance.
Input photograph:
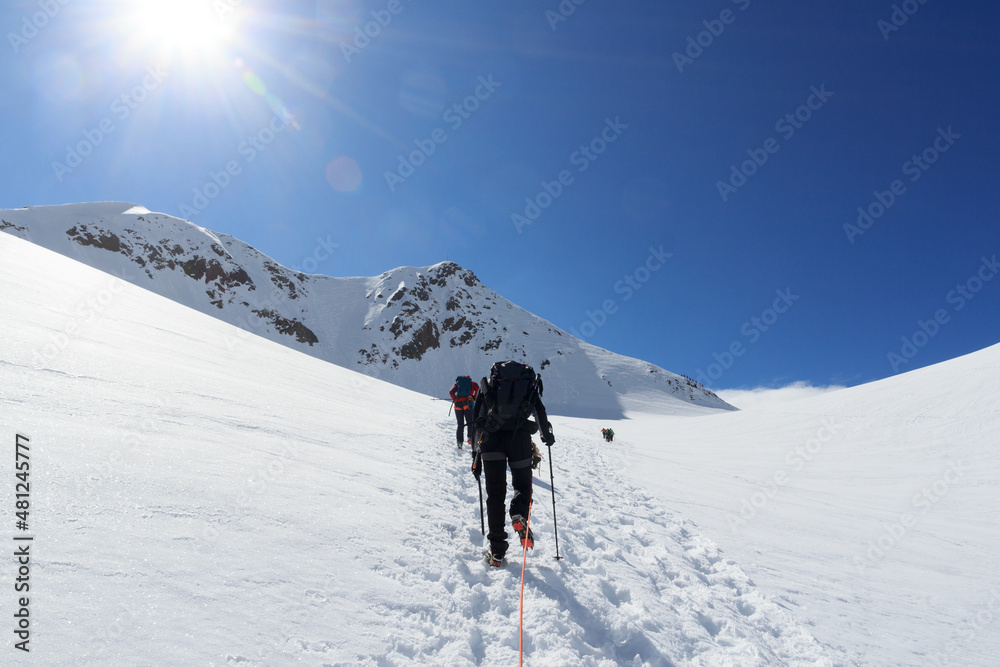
(870, 511)
(196, 504)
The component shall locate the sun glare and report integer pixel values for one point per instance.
(185, 28)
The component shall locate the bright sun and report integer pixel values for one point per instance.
(185, 28)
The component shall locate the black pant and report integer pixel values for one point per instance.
(464, 418)
(501, 449)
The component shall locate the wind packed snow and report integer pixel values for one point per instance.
(200, 501)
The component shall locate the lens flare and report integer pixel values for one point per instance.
(256, 84)
(344, 174)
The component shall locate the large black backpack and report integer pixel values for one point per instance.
(508, 397)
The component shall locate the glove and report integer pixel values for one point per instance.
(477, 467)
(548, 439)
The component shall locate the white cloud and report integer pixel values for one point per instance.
(768, 397)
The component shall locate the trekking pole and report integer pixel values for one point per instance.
(482, 512)
(552, 485)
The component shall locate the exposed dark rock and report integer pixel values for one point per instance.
(288, 327)
(443, 272)
(372, 357)
(281, 281)
(420, 290)
(492, 345)
(107, 240)
(424, 338)
(466, 336)
(398, 326)
(451, 324)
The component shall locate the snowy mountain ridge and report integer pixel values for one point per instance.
(414, 327)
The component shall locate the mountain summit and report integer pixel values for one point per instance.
(414, 327)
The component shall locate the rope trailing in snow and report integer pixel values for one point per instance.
(520, 623)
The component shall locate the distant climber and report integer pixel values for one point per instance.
(608, 434)
(463, 394)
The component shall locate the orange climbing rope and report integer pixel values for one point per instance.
(520, 624)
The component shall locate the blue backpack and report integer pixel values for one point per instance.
(463, 386)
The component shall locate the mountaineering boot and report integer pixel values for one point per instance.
(494, 560)
(520, 527)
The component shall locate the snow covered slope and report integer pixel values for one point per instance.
(417, 328)
(873, 511)
(196, 503)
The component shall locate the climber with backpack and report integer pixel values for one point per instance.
(463, 395)
(507, 400)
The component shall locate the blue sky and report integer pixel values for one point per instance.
(693, 167)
